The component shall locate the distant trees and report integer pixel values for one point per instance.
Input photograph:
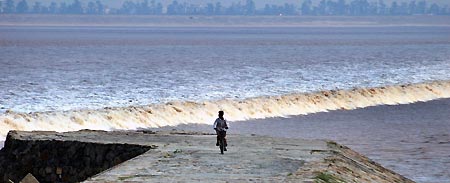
(53, 8)
(366, 8)
(286, 9)
(9, 7)
(143, 8)
(176, 7)
(306, 7)
(75, 8)
(37, 8)
(250, 8)
(22, 7)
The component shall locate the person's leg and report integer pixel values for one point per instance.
(224, 138)
(218, 137)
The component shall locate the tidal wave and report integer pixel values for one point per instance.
(185, 112)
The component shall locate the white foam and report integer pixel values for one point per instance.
(184, 112)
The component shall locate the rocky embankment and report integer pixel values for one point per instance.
(50, 157)
(174, 156)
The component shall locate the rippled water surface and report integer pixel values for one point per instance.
(62, 68)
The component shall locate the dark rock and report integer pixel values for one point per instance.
(99, 159)
(48, 170)
(79, 160)
(53, 178)
(110, 155)
(87, 161)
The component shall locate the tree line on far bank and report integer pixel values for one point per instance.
(145, 7)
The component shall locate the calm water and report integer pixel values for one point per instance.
(62, 68)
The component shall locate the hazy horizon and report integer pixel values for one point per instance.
(220, 21)
(258, 3)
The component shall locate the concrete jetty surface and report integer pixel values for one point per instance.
(177, 156)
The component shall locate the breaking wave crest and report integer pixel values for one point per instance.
(175, 113)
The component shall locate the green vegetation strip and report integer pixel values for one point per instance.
(324, 177)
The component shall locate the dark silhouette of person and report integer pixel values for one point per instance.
(221, 127)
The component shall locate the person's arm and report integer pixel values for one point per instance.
(226, 124)
(215, 125)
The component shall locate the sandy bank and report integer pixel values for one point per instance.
(179, 156)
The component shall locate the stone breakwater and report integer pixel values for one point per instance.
(57, 160)
(176, 156)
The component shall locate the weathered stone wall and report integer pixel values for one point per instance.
(61, 161)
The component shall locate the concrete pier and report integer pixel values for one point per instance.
(178, 156)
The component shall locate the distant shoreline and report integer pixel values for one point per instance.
(220, 21)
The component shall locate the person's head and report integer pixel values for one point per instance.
(221, 114)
